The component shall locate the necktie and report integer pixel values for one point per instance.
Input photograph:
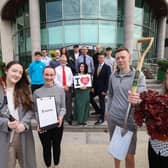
(63, 76)
(84, 59)
(99, 69)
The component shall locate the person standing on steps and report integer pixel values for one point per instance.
(119, 97)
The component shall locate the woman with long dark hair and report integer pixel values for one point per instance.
(16, 142)
(82, 99)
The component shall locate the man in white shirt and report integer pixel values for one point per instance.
(76, 51)
(64, 79)
(45, 57)
(72, 59)
(109, 60)
(86, 59)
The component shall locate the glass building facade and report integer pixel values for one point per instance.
(21, 36)
(69, 22)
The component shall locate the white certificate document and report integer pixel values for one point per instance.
(46, 108)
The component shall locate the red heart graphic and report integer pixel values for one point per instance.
(84, 80)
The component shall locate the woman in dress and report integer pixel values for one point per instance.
(82, 99)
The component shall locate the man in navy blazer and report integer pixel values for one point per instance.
(100, 86)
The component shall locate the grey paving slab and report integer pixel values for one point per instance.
(91, 152)
(74, 138)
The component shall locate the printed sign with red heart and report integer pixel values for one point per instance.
(84, 80)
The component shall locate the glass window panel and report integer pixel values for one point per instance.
(44, 36)
(21, 42)
(120, 10)
(139, 3)
(25, 59)
(138, 17)
(137, 31)
(72, 34)
(54, 10)
(90, 8)
(16, 45)
(19, 12)
(28, 41)
(42, 10)
(146, 15)
(108, 32)
(20, 22)
(120, 34)
(71, 8)
(89, 33)
(109, 9)
(55, 35)
(26, 15)
(145, 32)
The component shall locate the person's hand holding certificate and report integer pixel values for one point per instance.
(46, 108)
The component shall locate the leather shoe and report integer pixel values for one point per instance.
(69, 122)
(98, 122)
(94, 113)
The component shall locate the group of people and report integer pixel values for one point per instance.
(99, 67)
(16, 99)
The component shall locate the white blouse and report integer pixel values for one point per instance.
(160, 147)
(11, 106)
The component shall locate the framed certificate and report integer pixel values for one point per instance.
(82, 80)
(46, 108)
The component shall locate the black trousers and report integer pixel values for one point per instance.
(34, 87)
(68, 103)
(51, 139)
(155, 160)
(101, 108)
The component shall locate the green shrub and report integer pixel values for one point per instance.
(163, 64)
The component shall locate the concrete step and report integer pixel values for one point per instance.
(154, 86)
(152, 81)
(90, 127)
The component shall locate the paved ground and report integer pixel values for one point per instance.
(89, 150)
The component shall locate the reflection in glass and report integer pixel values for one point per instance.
(27, 39)
(120, 34)
(90, 9)
(72, 32)
(54, 10)
(55, 36)
(69, 22)
(89, 31)
(21, 44)
(71, 9)
(44, 36)
(108, 9)
(108, 33)
(145, 24)
(21, 37)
